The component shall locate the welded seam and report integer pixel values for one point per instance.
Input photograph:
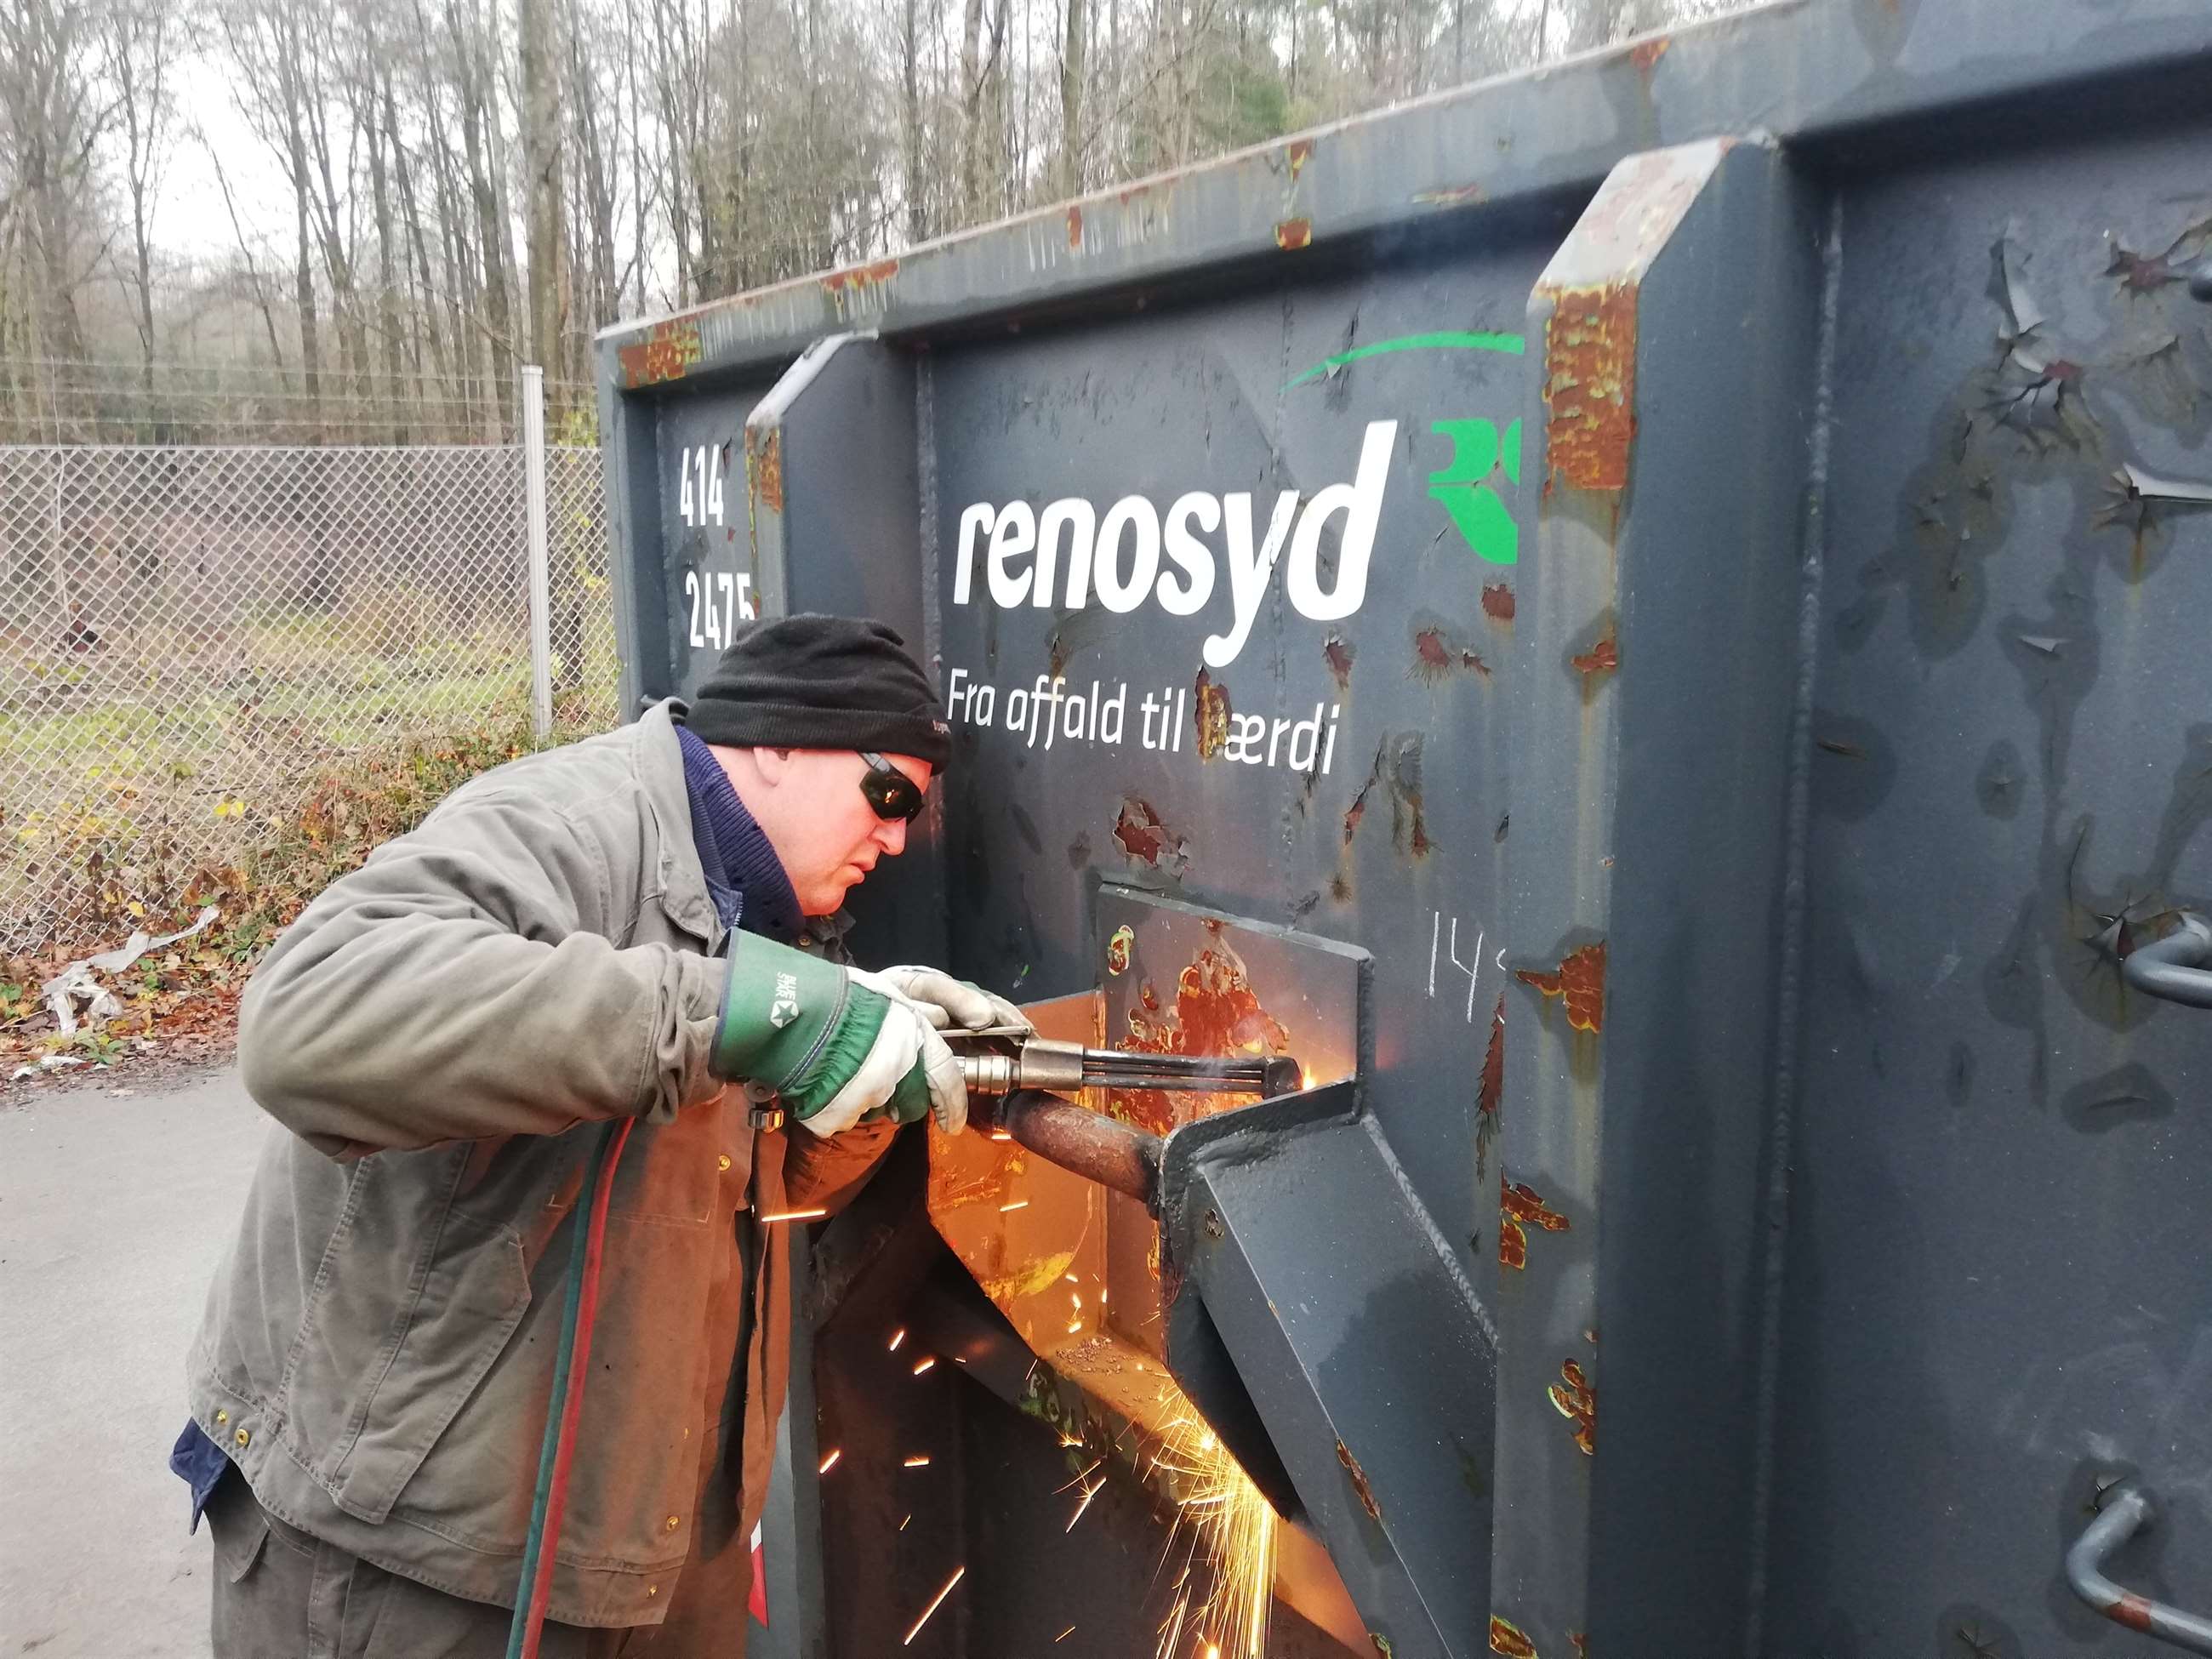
(1790, 1000)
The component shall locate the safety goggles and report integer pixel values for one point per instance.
(889, 790)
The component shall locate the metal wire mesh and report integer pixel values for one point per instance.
(187, 635)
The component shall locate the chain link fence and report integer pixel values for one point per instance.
(189, 634)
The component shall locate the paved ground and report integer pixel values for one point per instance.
(112, 1214)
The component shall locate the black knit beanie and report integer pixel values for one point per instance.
(811, 682)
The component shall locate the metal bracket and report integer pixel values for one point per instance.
(2129, 1509)
(2177, 968)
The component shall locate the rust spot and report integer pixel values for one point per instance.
(1590, 355)
(1216, 1012)
(857, 278)
(1602, 658)
(1434, 656)
(1576, 1402)
(1075, 228)
(1301, 152)
(764, 466)
(1293, 234)
(1646, 54)
(1580, 981)
(1497, 602)
(1148, 998)
(1139, 832)
(2132, 1611)
(1490, 1093)
(667, 353)
(1519, 1208)
(1359, 1481)
(1507, 1637)
(1209, 715)
(1456, 196)
(1336, 652)
(1117, 950)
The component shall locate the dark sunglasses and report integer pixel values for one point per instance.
(889, 790)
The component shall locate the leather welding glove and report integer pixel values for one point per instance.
(838, 1046)
(947, 1001)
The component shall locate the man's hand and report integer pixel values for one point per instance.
(836, 1045)
(947, 1001)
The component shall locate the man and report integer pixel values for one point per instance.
(619, 927)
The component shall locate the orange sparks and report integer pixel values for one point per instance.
(774, 1216)
(1000, 1134)
(923, 1364)
(1075, 1327)
(958, 1572)
(1019, 1204)
(918, 1461)
(830, 1461)
(897, 1337)
(1063, 1636)
(902, 1523)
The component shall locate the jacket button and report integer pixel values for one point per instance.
(723, 1161)
(672, 1523)
(653, 1589)
(222, 1417)
(243, 1438)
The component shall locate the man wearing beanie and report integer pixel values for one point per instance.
(637, 926)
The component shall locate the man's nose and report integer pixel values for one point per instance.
(891, 835)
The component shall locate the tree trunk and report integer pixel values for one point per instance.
(546, 197)
(1071, 71)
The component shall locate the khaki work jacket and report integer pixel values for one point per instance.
(441, 1035)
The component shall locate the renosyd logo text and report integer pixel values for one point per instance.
(1134, 552)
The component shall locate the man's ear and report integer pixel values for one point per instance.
(772, 765)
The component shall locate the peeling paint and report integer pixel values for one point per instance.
(1117, 950)
(1336, 651)
(667, 353)
(1603, 657)
(1589, 376)
(1456, 196)
(1293, 234)
(1519, 1208)
(1139, 832)
(858, 278)
(1573, 1398)
(1359, 1481)
(1435, 657)
(1508, 1638)
(1489, 1092)
(1209, 715)
(1301, 152)
(764, 466)
(1646, 54)
(1075, 229)
(1497, 603)
(1580, 981)
(1217, 1013)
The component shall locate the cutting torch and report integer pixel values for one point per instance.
(1017, 1081)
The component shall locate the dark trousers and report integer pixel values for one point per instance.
(280, 1594)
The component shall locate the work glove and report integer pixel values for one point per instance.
(947, 1001)
(837, 1045)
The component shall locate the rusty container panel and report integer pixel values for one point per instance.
(1693, 567)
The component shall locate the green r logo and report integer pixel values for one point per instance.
(1462, 486)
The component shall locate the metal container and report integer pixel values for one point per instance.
(1689, 571)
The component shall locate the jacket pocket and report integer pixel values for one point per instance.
(363, 1418)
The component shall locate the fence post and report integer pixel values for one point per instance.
(533, 496)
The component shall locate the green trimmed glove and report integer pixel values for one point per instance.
(838, 1045)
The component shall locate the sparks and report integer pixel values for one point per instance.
(897, 1337)
(1064, 1635)
(918, 1461)
(774, 1216)
(1225, 1517)
(1075, 1327)
(923, 1364)
(939, 1602)
(1089, 1492)
(1019, 1204)
(1000, 1134)
(903, 1522)
(830, 1461)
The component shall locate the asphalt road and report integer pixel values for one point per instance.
(113, 1213)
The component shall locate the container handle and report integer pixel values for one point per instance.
(2129, 1509)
